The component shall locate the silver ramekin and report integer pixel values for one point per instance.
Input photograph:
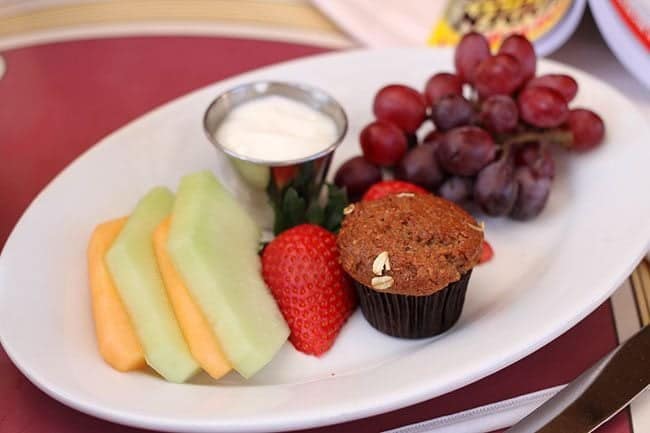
(265, 181)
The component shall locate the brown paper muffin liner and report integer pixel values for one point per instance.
(407, 316)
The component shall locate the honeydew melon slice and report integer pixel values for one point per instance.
(132, 263)
(213, 243)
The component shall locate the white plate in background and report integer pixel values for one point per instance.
(620, 39)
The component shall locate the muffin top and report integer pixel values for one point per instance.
(427, 243)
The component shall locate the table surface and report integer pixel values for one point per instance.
(65, 96)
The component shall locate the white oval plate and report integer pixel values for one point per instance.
(547, 274)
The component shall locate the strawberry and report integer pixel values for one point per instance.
(486, 253)
(284, 175)
(389, 187)
(301, 267)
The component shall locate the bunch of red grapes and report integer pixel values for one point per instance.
(494, 122)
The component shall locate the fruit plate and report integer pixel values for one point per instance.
(547, 273)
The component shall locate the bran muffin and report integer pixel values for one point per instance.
(410, 257)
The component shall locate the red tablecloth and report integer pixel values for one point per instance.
(59, 99)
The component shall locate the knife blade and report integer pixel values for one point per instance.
(597, 394)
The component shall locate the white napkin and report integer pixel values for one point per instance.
(385, 23)
(506, 413)
(484, 419)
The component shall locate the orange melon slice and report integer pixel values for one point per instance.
(203, 344)
(118, 343)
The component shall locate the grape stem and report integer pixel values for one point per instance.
(559, 136)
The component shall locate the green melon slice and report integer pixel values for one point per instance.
(132, 263)
(213, 243)
(256, 176)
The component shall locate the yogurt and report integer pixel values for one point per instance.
(275, 128)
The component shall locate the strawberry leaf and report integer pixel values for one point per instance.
(291, 212)
(337, 200)
(299, 201)
(315, 214)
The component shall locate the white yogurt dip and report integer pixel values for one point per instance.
(275, 128)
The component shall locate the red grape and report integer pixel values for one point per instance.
(587, 129)
(442, 84)
(563, 84)
(383, 143)
(472, 49)
(521, 49)
(457, 189)
(537, 157)
(533, 194)
(495, 188)
(433, 138)
(498, 75)
(499, 114)
(542, 107)
(451, 111)
(401, 105)
(466, 150)
(356, 175)
(419, 166)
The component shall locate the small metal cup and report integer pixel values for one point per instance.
(260, 184)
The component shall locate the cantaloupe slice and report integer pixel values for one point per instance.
(213, 244)
(197, 331)
(116, 338)
(132, 264)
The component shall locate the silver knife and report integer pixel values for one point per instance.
(597, 394)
